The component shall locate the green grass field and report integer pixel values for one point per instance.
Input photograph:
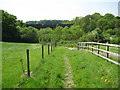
(88, 70)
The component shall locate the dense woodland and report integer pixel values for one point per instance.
(93, 27)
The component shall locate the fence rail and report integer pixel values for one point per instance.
(105, 44)
(89, 45)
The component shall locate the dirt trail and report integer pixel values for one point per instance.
(68, 74)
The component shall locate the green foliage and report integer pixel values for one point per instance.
(93, 27)
(106, 28)
(76, 32)
(102, 24)
(92, 36)
(10, 27)
(20, 23)
(45, 35)
(29, 34)
(109, 16)
(66, 33)
(57, 34)
(9, 30)
(111, 36)
(47, 22)
(67, 43)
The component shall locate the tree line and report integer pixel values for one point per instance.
(93, 27)
(47, 22)
(39, 26)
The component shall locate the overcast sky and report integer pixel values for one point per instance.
(57, 9)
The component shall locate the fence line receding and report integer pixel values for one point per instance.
(89, 46)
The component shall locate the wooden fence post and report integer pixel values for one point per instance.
(28, 63)
(48, 49)
(86, 46)
(92, 48)
(107, 49)
(98, 48)
(42, 51)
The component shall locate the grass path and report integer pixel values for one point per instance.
(68, 74)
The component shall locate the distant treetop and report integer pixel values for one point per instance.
(48, 22)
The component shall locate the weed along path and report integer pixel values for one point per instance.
(68, 74)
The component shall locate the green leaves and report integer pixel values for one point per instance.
(93, 27)
(29, 34)
(45, 35)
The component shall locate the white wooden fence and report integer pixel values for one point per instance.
(89, 46)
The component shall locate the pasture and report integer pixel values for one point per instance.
(63, 68)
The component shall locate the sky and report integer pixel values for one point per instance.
(28, 10)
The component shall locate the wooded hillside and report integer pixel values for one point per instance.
(93, 27)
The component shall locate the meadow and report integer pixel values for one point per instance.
(87, 70)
